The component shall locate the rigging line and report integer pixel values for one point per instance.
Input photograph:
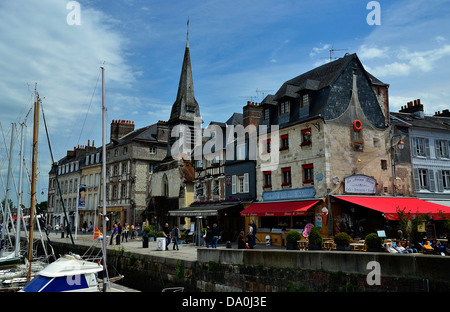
(57, 180)
(90, 104)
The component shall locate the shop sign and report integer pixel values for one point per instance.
(360, 184)
(306, 192)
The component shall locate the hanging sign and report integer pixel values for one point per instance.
(82, 196)
(360, 184)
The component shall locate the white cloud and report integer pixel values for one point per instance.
(318, 50)
(366, 52)
(37, 45)
(407, 62)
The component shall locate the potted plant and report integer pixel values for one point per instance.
(342, 241)
(182, 239)
(292, 237)
(315, 239)
(373, 242)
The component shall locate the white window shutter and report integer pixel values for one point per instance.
(233, 184)
(246, 184)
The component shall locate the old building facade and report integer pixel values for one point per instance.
(426, 152)
(326, 129)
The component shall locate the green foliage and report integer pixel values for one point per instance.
(314, 236)
(293, 236)
(372, 240)
(160, 234)
(409, 222)
(342, 239)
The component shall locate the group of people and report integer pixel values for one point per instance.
(435, 247)
(173, 235)
(212, 236)
(247, 240)
(398, 248)
(119, 232)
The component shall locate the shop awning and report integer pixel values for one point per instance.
(278, 209)
(199, 211)
(389, 205)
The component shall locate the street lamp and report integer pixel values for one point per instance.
(396, 149)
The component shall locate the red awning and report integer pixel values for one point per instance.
(278, 209)
(389, 205)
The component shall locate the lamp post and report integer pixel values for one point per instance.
(395, 149)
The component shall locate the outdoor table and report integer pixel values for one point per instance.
(357, 246)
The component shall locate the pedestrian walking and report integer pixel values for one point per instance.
(175, 236)
(166, 232)
(208, 236)
(113, 233)
(119, 233)
(132, 231)
(215, 235)
(125, 231)
(253, 226)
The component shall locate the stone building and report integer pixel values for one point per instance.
(67, 179)
(326, 129)
(91, 174)
(131, 158)
(426, 154)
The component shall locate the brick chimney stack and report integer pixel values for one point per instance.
(251, 114)
(162, 129)
(444, 113)
(120, 128)
(413, 107)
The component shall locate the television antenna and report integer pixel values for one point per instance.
(263, 92)
(332, 53)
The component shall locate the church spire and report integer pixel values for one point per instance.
(187, 34)
(185, 107)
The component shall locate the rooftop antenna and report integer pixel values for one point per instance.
(332, 53)
(263, 92)
(249, 96)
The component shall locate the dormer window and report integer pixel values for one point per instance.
(190, 108)
(266, 114)
(304, 101)
(284, 107)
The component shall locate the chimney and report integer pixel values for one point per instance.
(252, 114)
(413, 107)
(120, 128)
(444, 113)
(162, 131)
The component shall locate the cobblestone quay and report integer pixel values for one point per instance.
(267, 268)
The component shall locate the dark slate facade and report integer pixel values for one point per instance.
(328, 91)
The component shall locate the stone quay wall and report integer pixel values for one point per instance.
(232, 270)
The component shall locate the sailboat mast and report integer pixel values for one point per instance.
(19, 202)
(33, 179)
(6, 207)
(105, 272)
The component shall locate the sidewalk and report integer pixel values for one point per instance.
(186, 251)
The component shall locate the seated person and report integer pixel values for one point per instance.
(439, 248)
(427, 247)
(398, 246)
(408, 247)
(390, 248)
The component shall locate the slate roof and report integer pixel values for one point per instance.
(427, 122)
(327, 87)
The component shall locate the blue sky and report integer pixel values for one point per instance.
(237, 48)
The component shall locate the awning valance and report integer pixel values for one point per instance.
(278, 209)
(199, 211)
(389, 205)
